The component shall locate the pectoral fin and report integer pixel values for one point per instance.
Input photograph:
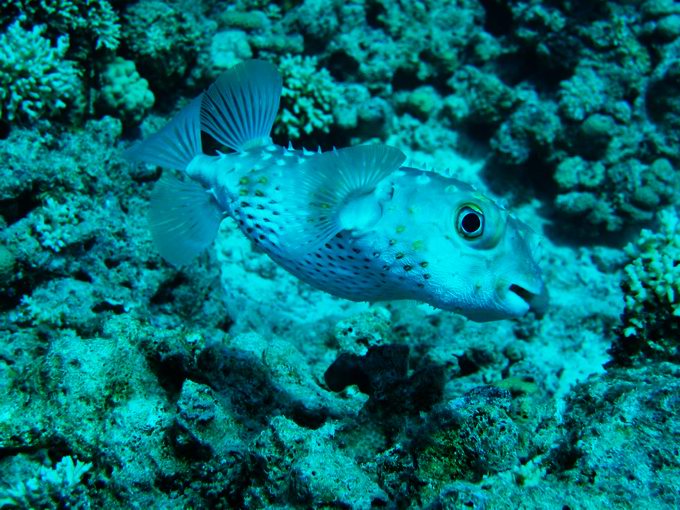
(328, 188)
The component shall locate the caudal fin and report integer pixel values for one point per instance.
(176, 144)
(184, 219)
(240, 107)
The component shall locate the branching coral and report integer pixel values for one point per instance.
(163, 39)
(58, 487)
(652, 291)
(310, 97)
(86, 21)
(35, 79)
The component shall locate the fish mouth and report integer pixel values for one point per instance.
(528, 298)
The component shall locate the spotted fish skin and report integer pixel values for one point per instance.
(353, 222)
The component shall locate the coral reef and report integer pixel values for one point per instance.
(36, 81)
(228, 383)
(123, 92)
(652, 293)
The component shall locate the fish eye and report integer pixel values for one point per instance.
(470, 222)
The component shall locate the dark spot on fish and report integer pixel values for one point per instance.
(421, 285)
(260, 207)
(386, 268)
(399, 256)
(328, 246)
(275, 213)
(341, 258)
(258, 226)
(350, 257)
(340, 247)
(427, 276)
(245, 204)
(366, 259)
(259, 193)
(250, 216)
(376, 254)
(407, 268)
(392, 242)
(424, 264)
(356, 250)
(261, 237)
(338, 235)
(317, 255)
(249, 230)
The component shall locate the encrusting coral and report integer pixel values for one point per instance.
(651, 319)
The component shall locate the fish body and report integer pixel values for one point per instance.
(353, 222)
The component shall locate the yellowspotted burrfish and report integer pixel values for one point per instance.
(353, 222)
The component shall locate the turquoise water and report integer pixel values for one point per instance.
(227, 382)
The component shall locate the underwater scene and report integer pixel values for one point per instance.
(352, 254)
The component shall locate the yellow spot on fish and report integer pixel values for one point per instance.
(417, 245)
(424, 264)
(262, 180)
(400, 228)
(259, 193)
(243, 192)
(243, 180)
(411, 210)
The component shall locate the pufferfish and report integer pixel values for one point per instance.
(353, 222)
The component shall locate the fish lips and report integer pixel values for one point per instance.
(525, 297)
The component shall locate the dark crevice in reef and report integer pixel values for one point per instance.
(247, 382)
(165, 293)
(17, 208)
(383, 374)
(498, 19)
(341, 65)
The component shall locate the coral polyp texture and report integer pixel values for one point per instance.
(36, 78)
(228, 382)
(651, 284)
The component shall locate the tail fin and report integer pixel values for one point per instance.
(240, 107)
(176, 144)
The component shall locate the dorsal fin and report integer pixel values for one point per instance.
(240, 107)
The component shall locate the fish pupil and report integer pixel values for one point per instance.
(471, 223)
